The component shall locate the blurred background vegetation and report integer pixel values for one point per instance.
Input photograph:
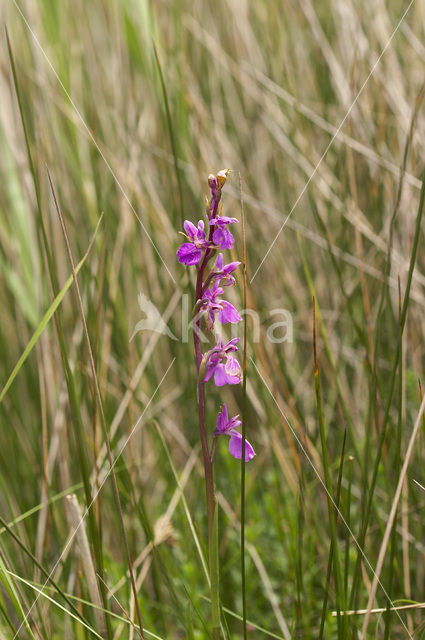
(318, 105)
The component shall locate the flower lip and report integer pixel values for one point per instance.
(222, 220)
(223, 238)
(189, 254)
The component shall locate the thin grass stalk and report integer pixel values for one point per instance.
(170, 133)
(348, 521)
(331, 549)
(340, 599)
(393, 543)
(297, 607)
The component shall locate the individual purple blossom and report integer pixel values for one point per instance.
(191, 252)
(222, 236)
(213, 305)
(226, 427)
(223, 272)
(223, 366)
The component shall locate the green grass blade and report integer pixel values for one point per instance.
(43, 324)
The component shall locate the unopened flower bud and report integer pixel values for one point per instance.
(212, 182)
(222, 176)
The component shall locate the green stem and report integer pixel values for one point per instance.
(396, 471)
(214, 570)
(339, 594)
(212, 511)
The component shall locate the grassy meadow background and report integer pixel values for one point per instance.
(263, 88)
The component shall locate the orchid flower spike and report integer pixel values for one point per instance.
(219, 363)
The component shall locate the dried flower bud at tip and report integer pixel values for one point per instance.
(222, 176)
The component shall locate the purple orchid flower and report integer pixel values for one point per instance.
(214, 305)
(191, 252)
(222, 236)
(222, 272)
(223, 366)
(226, 427)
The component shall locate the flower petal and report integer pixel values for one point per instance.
(223, 238)
(190, 229)
(220, 376)
(222, 220)
(231, 345)
(210, 371)
(232, 367)
(229, 268)
(201, 232)
(222, 421)
(228, 313)
(189, 254)
(233, 423)
(235, 447)
(225, 414)
(232, 379)
(219, 262)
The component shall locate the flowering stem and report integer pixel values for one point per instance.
(243, 575)
(219, 362)
(208, 464)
